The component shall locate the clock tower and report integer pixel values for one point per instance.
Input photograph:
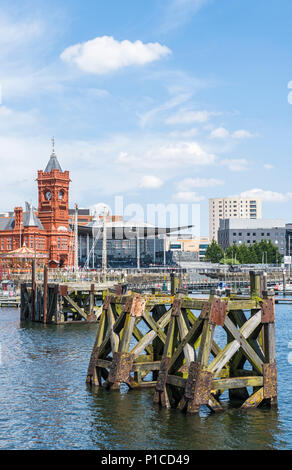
(53, 207)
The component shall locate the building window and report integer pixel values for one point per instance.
(41, 243)
(31, 242)
(64, 244)
(59, 243)
(9, 244)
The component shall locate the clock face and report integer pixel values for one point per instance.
(61, 195)
(48, 195)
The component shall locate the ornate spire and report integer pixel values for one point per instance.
(53, 163)
(31, 222)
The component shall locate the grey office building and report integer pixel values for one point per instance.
(251, 231)
(289, 239)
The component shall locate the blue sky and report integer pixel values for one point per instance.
(161, 101)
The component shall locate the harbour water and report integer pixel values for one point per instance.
(46, 404)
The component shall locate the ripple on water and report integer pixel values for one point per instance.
(46, 403)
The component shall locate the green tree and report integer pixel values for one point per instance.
(244, 254)
(214, 252)
(232, 252)
(256, 253)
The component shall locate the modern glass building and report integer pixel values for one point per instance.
(126, 243)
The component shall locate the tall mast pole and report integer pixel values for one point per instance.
(138, 250)
(104, 244)
(76, 239)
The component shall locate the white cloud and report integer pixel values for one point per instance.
(190, 183)
(105, 54)
(22, 122)
(187, 117)
(243, 134)
(219, 133)
(175, 155)
(13, 32)
(151, 182)
(267, 196)
(222, 133)
(235, 164)
(268, 166)
(179, 12)
(187, 196)
(170, 104)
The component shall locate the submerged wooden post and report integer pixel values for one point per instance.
(188, 368)
(33, 286)
(174, 283)
(256, 284)
(45, 294)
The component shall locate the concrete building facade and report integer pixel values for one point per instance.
(232, 208)
(250, 231)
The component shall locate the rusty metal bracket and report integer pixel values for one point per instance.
(118, 289)
(138, 306)
(176, 307)
(199, 385)
(93, 360)
(128, 304)
(218, 312)
(268, 311)
(163, 372)
(107, 302)
(206, 309)
(270, 380)
(63, 290)
(121, 367)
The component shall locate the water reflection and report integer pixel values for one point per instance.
(46, 403)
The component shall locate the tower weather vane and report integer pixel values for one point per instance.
(53, 144)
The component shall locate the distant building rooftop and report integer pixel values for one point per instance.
(53, 164)
(226, 224)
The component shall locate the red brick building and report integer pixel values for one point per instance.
(45, 230)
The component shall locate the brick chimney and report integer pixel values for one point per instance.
(18, 213)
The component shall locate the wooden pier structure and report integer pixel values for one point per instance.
(169, 342)
(60, 303)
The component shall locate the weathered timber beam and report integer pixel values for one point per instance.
(189, 351)
(252, 356)
(138, 335)
(103, 363)
(154, 326)
(176, 381)
(116, 328)
(113, 336)
(237, 382)
(75, 306)
(254, 400)
(127, 333)
(144, 358)
(231, 348)
(149, 337)
(146, 366)
(192, 336)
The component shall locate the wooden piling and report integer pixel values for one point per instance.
(179, 357)
(59, 303)
(45, 303)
